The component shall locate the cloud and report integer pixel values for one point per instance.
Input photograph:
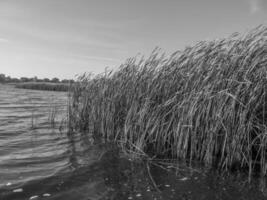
(2, 40)
(99, 58)
(257, 6)
(254, 6)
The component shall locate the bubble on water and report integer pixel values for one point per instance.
(130, 197)
(34, 197)
(167, 185)
(138, 195)
(46, 195)
(18, 190)
(183, 179)
(8, 184)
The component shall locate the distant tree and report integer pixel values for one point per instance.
(35, 79)
(31, 79)
(8, 79)
(55, 80)
(46, 80)
(2, 78)
(65, 81)
(15, 80)
(24, 79)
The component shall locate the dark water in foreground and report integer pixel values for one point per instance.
(37, 161)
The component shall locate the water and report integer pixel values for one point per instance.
(40, 160)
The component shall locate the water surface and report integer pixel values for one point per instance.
(39, 159)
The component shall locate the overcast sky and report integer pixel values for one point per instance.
(61, 38)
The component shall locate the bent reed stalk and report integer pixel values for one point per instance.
(205, 103)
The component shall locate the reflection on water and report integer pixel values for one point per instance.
(39, 162)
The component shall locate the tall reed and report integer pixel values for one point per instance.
(205, 103)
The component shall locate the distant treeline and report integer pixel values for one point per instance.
(8, 79)
(44, 86)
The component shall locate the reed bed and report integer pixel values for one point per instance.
(44, 86)
(205, 103)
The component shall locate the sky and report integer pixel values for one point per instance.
(65, 38)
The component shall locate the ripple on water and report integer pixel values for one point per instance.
(37, 161)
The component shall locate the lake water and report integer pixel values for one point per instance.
(39, 159)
